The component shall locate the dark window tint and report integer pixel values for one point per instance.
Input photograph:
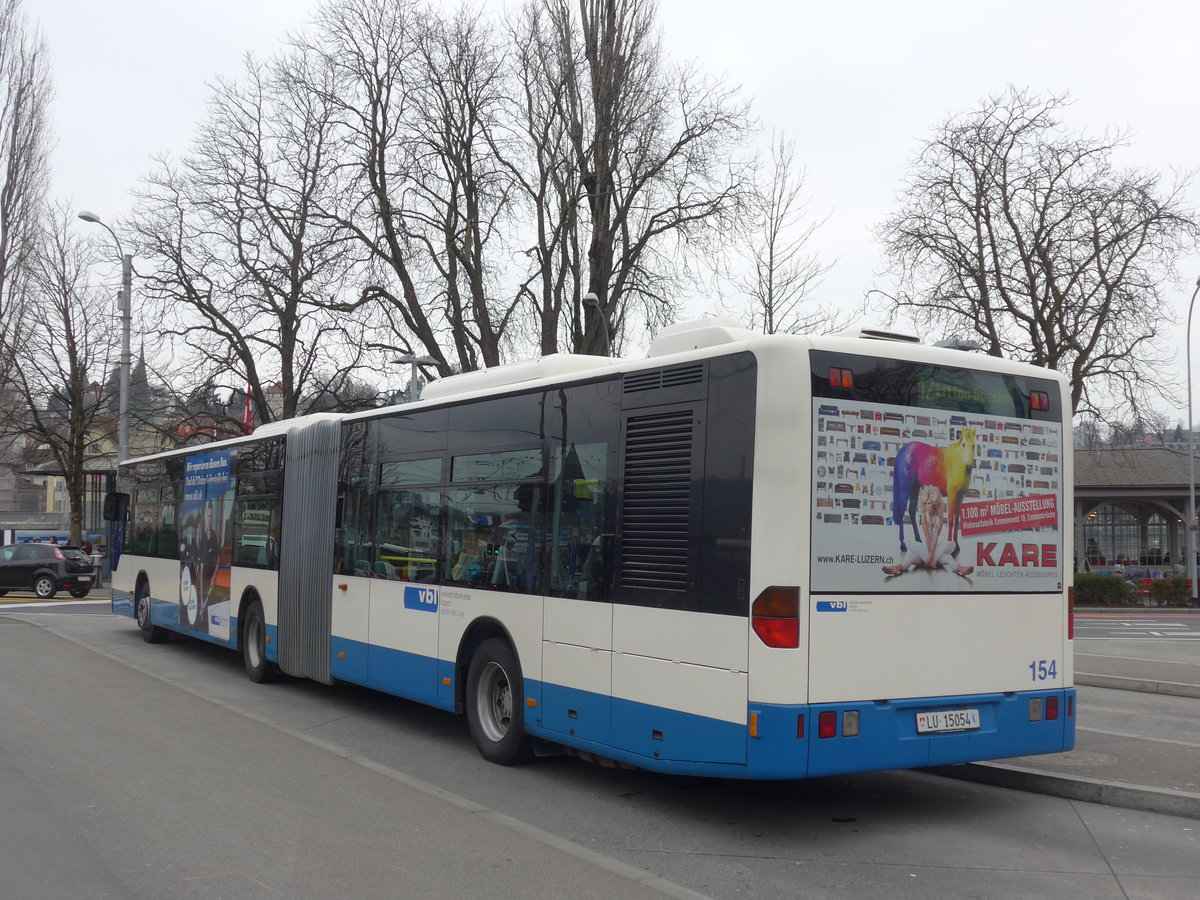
(506, 466)
(264, 456)
(411, 471)
(410, 434)
(498, 422)
(582, 526)
(352, 532)
(900, 383)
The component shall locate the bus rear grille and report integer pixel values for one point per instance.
(673, 376)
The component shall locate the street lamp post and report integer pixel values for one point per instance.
(413, 362)
(1191, 526)
(126, 308)
(591, 299)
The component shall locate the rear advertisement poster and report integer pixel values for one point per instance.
(928, 500)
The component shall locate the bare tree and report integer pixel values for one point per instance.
(25, 93)
(249, 278)
(653, 149)
(1035, 241)
(777, 246)
(62, 363)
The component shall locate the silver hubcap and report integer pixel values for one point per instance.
(494, 700)
(254, 642)
(142, 611)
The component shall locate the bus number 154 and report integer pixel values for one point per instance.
(1042, 669)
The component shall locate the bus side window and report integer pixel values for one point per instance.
(581, 540)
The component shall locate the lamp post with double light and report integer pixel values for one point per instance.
(1191, 504)
(413, 362)
(126, 307)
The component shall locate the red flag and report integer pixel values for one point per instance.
(247, 413)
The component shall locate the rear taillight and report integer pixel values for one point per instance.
(58, 553)
(827, 724)
(775, 616)
(1051, 709)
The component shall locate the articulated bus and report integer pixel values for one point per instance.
(744, 556)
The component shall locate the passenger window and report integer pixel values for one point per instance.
(406, 535)
(496, 536)
(581, 540)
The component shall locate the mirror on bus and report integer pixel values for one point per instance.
(116, 506)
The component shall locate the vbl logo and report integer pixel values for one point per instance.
(421, 598)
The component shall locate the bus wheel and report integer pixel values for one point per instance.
(496, 704)
(151, 633)
(254, 645)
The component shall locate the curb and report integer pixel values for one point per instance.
(1120, 683)
(1089, 790)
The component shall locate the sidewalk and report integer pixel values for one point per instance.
(1134, 772)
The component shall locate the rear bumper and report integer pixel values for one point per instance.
(888, 737)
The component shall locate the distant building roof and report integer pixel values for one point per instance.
(1132, 471)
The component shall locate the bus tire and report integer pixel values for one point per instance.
(151, 633)
(496, 704)
(45, 587)
(253, 631)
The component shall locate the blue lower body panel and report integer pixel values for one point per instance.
(888, 738)
(782, 742)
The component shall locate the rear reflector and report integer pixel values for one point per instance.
(800, 727)
(1070, 707)
(827, 724)
(775, 616)
(850, 723)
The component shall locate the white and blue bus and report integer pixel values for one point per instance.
(745, 556)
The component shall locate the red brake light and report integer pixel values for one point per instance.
(778, 632)
(842, 379)
(827, 724)
(1051, 708)
(58, 553)
(775, 616)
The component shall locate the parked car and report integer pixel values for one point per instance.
(45, 569)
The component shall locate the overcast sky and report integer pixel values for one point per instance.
(858, 85)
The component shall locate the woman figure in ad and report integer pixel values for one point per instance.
(208, 547)
(934, 553)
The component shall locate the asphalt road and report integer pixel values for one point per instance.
(160, 771)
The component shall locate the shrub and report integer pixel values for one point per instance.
(1170, 591)
(1103, 590)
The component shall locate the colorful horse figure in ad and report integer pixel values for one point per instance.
(946, 468)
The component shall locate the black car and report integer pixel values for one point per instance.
(45, 569)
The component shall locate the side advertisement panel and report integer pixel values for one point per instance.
(205, 550)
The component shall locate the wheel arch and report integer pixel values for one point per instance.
(249, 595)
(482, 629)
